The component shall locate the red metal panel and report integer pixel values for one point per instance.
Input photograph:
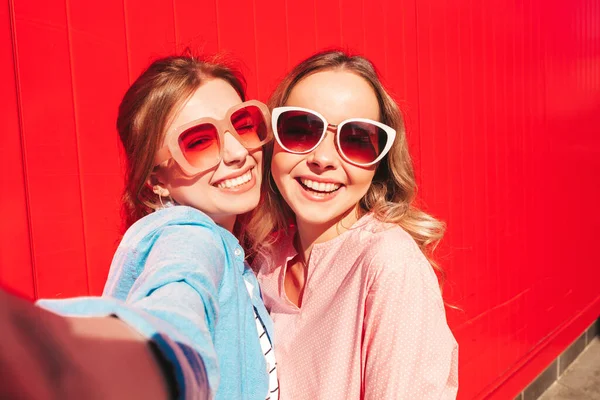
(16, 269)
(399, 20)
(352, 25)
(301, 30)
(272, 51)
(375, 35)
(100, 78)
(237, 35)
(539, 356)
(497, 114)
(149, 31)
(50, 148)
(327, 24)
(196, 25)
(454, 161)
(503, 108)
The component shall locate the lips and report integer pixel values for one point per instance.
(234, 182)
(319, 190)
(322, 187)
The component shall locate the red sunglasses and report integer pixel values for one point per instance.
(198, 145)
(360, 141)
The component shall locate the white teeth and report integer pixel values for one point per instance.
(240, 180)
(320, 186)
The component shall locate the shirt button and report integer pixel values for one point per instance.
(237, 252)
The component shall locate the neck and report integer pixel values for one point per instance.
(310, 234)
(226, 222)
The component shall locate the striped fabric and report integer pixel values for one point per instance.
(267, 348)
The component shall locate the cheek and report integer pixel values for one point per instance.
(282, 164)
(359, 177)
(173, 173)
(191, 192)
(276, 171)
(258, 158)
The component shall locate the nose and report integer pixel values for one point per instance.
(233, 151)
(325, 156)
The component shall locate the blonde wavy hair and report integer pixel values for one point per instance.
(392, 194)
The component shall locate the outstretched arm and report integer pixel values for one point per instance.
(172, 304)
(45, 356)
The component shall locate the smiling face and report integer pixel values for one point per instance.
(233, 186)
(321, 188)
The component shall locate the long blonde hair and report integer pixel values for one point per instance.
(391, 196)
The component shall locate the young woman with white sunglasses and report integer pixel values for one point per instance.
(355, 300)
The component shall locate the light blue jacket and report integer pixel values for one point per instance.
(181, 280)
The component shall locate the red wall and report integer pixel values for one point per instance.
(503, 106)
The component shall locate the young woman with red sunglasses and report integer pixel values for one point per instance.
(355, 300)
(190, 322)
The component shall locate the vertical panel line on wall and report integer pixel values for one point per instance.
(316, 23)
(287, 36)
(217, 19)
(257, 74)
(544, 43)
(341, 22)
(13, 35)
(418, 91)
(77, 144)
(127, 50)
(385, 39)
(177, 49)
(364, 28)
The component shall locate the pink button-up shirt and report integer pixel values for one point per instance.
(372, 323)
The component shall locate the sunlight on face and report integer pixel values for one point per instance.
(216, 192)
(337, 95)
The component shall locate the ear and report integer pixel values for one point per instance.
(155, 184)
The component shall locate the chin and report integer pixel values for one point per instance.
(322, 213)
(244, 210)
(318, 217)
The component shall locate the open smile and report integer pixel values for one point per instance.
(239, 183)
(318, 190)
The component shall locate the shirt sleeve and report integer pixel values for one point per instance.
(174, 303)
(409, 351)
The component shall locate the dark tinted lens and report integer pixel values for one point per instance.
(200, 145)
(250, 124)
(299, 130)
(362, 142)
